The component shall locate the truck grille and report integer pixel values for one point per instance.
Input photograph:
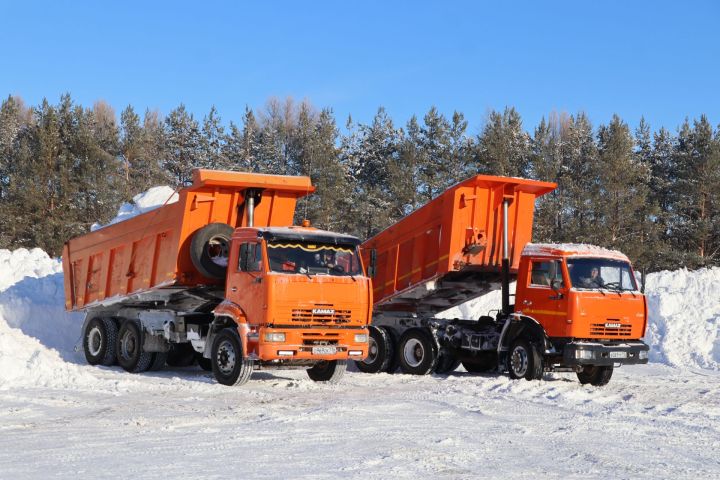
(325, 338)
(320, 314)
(600, 330)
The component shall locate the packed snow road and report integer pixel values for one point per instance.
(649, 422)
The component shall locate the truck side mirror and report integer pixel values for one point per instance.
(373, 263)
(556, 285)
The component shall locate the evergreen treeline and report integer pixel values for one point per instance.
(655, 195)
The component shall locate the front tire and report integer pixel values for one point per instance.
(595, 375)
(99, 341)
(229, 366)
(130, 354)
(417, 351)
(330, 371)
(524, 361)
(380, 352)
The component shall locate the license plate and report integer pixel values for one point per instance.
(324, 350)
(618, 354)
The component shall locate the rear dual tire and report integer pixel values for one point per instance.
(130, 354)
(381, 352)
(99, 341)
(417, 352)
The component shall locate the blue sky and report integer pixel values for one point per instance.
(658, 59)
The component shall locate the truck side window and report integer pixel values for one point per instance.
(544, 272)
(250, 258)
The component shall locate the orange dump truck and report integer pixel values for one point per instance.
(576, 307)
(221, 277)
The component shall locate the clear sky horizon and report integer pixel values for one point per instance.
(657, 59)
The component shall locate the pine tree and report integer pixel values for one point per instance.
(503, 147)
(367, 156)
(211, 143)
(697, 194)
(183, 144)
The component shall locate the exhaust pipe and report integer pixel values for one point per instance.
(505, 275)
(250, 206)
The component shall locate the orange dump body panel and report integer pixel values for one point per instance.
(450, 250)
(152, 250)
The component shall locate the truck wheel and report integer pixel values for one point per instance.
(595, 375)
(209, 249)
(330, 371)
(446, 362)
(483, 362)
(99, 341)
(130, 354)
(380, 352)
(524, 361)
(394, 362)
(181, 355)
(229, 366)
(205, 363)
(158, 361)
(417, 351)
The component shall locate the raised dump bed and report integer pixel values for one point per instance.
(450, 250)
(153, 250)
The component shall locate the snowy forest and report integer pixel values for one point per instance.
(651, 192)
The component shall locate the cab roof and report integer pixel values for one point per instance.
(571, 250)
(306, 234)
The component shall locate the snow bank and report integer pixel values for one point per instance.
(141, 203)
(37, 336)
(684, 318)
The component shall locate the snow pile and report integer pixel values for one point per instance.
(37, 336)
(684, 318)
(143, 202)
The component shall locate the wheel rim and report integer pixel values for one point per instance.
(414, 352)
(217, 250)
(94, 341)
(225, 357)
(372, 351)
(128, 345)
(519, 360)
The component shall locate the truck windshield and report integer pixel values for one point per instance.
(313, 258)
(601, 273)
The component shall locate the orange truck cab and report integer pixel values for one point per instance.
(576, 307)
(587, 301)
(221, 277)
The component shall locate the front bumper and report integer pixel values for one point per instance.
(604, 354)
(300, 344)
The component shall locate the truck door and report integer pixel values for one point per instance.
(547, 306)
(245, 277)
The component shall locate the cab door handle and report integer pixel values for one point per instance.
(559, 296)
(233, 289)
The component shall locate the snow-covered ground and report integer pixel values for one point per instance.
(61, 418)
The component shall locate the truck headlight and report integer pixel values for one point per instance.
(274, 337)
(584, 354)
(643, 354)
(361, 338)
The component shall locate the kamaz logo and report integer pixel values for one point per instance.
(323, 311)
(613, 325)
